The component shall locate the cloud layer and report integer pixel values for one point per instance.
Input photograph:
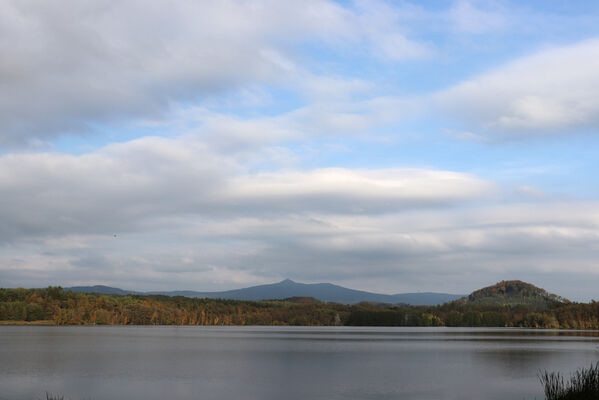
(551, 92)
(181, 211)
(81, 65)
(123, 187)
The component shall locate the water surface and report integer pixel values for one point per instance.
(302, 363)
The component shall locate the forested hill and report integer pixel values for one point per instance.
(514, 293)
(56, 306)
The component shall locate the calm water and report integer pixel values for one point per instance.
(284, 363)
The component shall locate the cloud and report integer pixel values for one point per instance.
(336, 116)
(124, 187)
(551, 92)
(467, 17)
(184, 213)
(340, 190)
(451, 249)
(67, 69)
(243, 91)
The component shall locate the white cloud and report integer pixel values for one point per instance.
(67, 68)
(340, 190)
(469, 18)
(124, 187)
(380, 25)
(184, 213)
(332, 88)
(553, 91)
(337, 116)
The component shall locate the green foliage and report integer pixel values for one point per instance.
(454, 318)
(494, 318)
(472, 318)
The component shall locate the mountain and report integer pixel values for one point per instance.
(288, 288)
(100, 289)
(513, 293)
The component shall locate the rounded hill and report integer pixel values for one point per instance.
(513, 293)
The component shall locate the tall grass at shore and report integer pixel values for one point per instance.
(583, 384)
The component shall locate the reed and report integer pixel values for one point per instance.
(582, 385)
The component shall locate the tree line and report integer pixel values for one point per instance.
(63, 307)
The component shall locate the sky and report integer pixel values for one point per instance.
(389, 146)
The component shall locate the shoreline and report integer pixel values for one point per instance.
(45, 322)
(53, 323)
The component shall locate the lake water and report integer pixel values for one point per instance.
(284, 362)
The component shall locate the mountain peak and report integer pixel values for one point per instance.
(286, 281)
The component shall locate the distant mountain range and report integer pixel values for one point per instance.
(288, 288)
(100, 289)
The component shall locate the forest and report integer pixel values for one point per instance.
(54, 305)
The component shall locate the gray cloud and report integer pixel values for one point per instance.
(183, 213)
(447, 249)
(112, 190)
(131, 186)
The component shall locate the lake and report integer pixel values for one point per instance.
(164, 362)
